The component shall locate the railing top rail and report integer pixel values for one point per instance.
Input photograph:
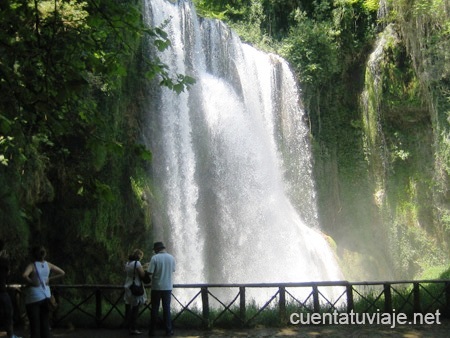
(254, 285)
(406, 281)
(311, 284)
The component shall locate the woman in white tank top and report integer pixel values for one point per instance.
(37, 275)
(134, 270)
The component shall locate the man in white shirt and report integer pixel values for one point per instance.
(161, 269)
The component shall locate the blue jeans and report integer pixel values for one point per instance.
(156, 297)
(39, 317)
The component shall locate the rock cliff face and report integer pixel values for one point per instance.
(390, 213)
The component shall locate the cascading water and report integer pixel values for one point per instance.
(371, 108)
(232, 166)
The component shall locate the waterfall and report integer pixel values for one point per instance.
(372, 115)
(234, 195)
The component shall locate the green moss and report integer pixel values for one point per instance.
(435, 272)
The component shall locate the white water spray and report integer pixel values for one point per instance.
(232, 164)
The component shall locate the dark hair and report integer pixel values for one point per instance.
(38, 253)
(2, 244)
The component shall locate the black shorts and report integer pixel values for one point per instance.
(6, 310)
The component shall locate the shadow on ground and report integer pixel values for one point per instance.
(347, 331)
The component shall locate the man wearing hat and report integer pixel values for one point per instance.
(161, 268)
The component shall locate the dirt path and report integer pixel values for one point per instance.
(340, 331)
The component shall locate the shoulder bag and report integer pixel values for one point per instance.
(136, 290)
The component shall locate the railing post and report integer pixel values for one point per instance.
(316, 298)
(205, 304)
(55, 314)
(446, 313)
(387, 298)
(282, 304)
(242, 309)
(416, 297)
(350, 304)
(98, 307)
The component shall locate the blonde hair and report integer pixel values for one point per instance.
(137, 254)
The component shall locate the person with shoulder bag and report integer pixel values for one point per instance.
(135, 293)
(37, 275)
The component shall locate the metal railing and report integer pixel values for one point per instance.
(207, 305)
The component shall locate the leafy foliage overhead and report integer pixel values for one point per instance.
(61, 62)
(57, 58)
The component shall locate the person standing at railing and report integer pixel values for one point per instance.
(161, 269)
(134, 273)
(38, 294)
(6, 308)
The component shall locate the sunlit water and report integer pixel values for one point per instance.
(234, 195)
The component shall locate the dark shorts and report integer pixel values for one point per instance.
(6, 310)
